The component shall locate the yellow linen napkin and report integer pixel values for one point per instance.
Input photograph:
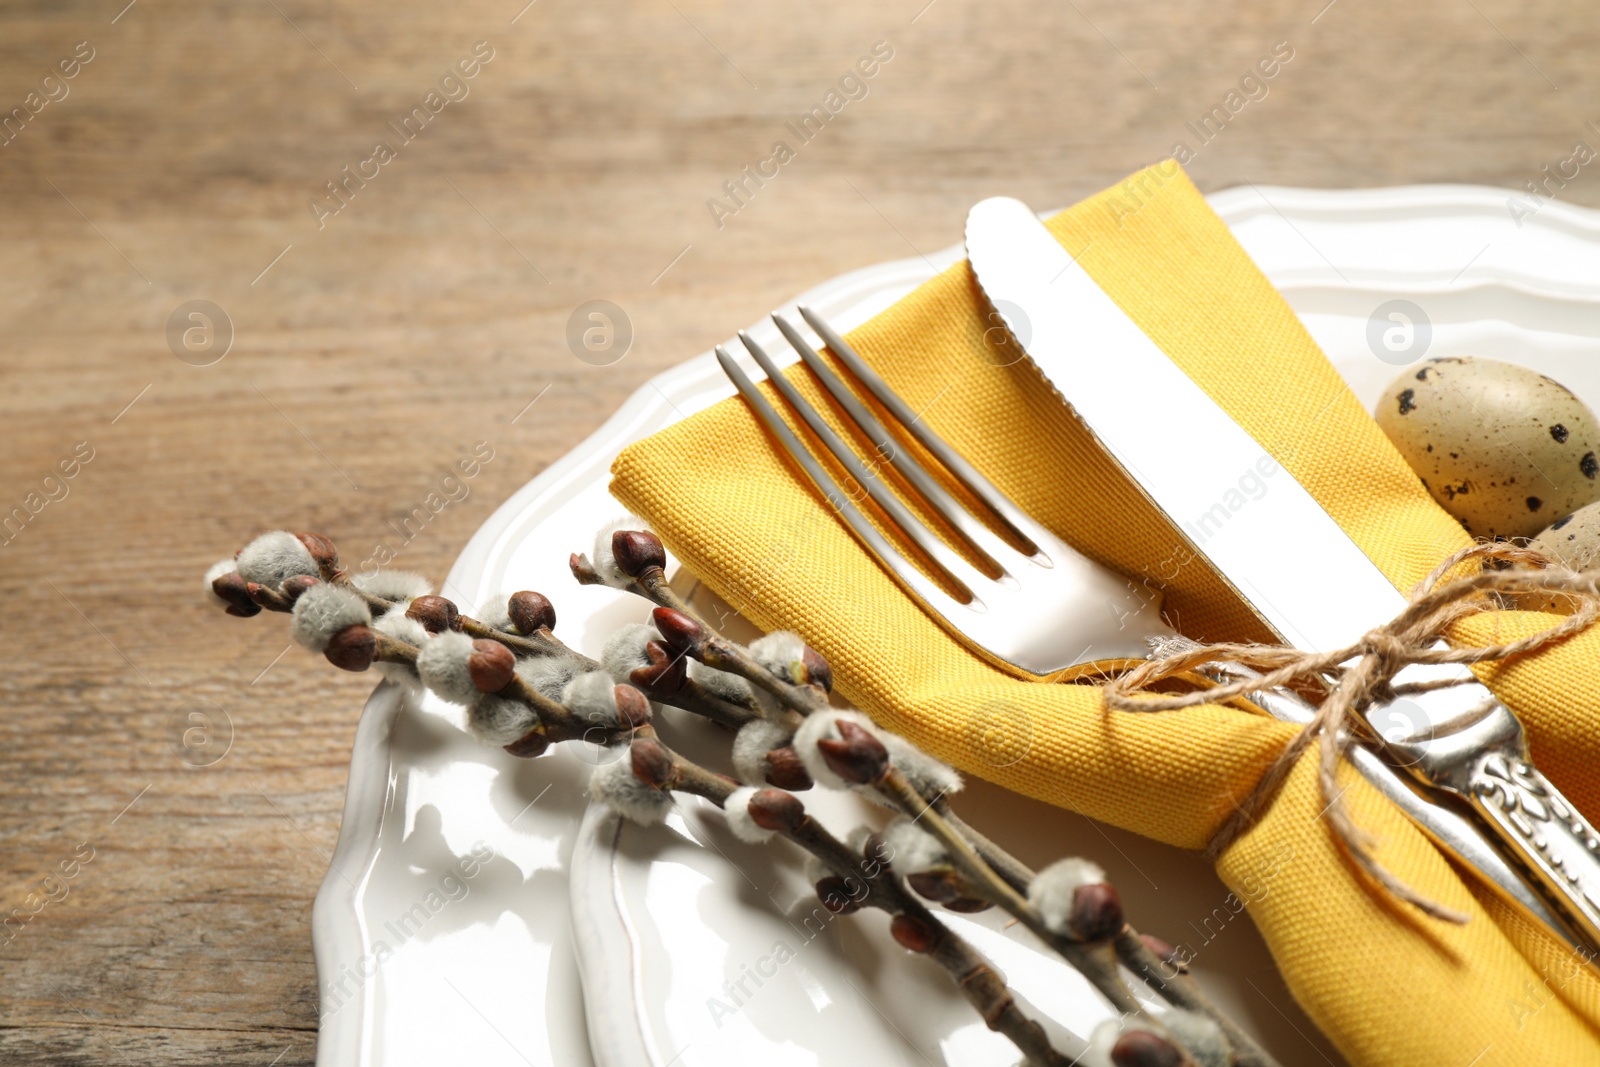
(1389, 987)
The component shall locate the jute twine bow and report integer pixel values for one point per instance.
(1364, 674)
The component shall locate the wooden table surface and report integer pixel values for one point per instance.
(374, 347)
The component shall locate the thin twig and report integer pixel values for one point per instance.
(1097, 962)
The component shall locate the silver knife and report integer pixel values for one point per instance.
(1279, 550)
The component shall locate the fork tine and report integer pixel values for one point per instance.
(1012, 516)
(966, 576)
(967, 527)
(875, 543)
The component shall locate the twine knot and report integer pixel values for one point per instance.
(1363, 674)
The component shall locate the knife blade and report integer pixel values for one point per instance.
(1279, 550)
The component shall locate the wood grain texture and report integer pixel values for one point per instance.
(425, 315)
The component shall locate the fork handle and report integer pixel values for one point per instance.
(1543, 833)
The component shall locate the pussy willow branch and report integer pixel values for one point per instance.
(689, 696)
(1178, 989)
(1095, 960)
(556, 723)
(992, 875)
(997, 875)
(717, 651)
(974, 976)
(977, 979)
(539, 643)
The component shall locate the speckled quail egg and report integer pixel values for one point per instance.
(1573, 541)
(1502, 448)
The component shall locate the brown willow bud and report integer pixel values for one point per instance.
(352, 648)
(913, 933)
(1165, 952)
(435, 613)
(232, 588)
(665, 674)
(632, 706)
(1096, 912)
(294, 587)
(834, 892)
(491, 665)
(786, 771)
(323, 551)
(636, 550)
(858, 757)
(267, 597)
(531, 611)
(773, 809)
(652, 763)
(941, 884)
(531, 744)
(815, 670)
(967, 905)
(680, 632)
(1141, 1048)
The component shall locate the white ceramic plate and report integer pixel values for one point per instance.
(427, 949)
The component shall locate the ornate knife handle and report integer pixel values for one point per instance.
(1486, 764)
(1457, 830)
(1550, 838)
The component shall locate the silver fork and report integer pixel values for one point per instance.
(1029, 614)
(1037, 610)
